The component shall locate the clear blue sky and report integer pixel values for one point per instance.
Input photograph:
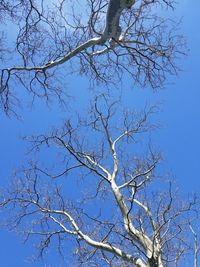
(178, 139)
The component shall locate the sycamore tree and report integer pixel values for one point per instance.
(96, 191)
(44, 41)
(103, 201)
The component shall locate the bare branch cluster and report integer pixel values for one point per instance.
(136, 228)
(101, 39)
(99, 194)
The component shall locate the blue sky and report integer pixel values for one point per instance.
(178, 138)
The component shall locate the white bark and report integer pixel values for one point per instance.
(99, 245)
(112, 30)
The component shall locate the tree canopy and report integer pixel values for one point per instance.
(103, 40)
(93, 188)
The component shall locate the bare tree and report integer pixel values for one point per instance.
(100, 195)
(98, 38)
